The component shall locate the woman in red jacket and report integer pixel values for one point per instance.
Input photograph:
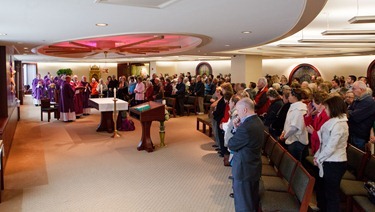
(315, 117)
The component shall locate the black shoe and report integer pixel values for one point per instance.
(231, 195)
(220, 155)
(217, 149)
(215, 145)
(230, 177)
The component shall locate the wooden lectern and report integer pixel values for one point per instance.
(146, 113)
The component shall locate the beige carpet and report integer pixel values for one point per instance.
(60, 166)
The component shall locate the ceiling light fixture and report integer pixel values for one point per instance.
(246, 32)
(349, 32)
(336, 41)
(101, 24)
(362, 19)
(332, 45)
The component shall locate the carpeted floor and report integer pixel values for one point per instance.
(59, 166)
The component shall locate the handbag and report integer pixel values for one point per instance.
(127, 125)
(370, 187)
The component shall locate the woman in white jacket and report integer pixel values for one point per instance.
(139, 91)
(295, 133)
(331, 155)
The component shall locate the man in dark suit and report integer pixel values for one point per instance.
(246, 163)
(180, 96)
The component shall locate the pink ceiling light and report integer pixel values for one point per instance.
(124, 45)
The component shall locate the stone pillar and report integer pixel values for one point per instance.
(245, 68)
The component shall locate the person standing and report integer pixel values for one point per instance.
(139, 91)
(94, 91)
(246, 143)
(199, 93)
(78, 96)
(37, 89)
(295, 133)
(361, 115)
(86, 95)
(261, 101)
(331, 156)
(315, 117)
(180, 96)
(67, 111)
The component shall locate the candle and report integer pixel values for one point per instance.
(101, 89)
(114, 92)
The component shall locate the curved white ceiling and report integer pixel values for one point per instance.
(42, 22)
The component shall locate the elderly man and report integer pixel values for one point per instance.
(261, 101)
(361, 115)
(246, 143)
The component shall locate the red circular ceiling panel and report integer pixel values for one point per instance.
(124, 46)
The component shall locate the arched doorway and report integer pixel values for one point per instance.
(304, 72)
(371, 76)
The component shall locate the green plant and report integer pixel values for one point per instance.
(64, 71)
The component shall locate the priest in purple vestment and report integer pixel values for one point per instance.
(67, 112)
(86, 94)
(78, 96)
(37, 89)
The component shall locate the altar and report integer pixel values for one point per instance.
(106, 107)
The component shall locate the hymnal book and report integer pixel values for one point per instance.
(142, 107)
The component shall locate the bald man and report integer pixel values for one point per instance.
(361, 115)
(246, 143)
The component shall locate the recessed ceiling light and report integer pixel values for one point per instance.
(227, 45)
(246, 32)
(25, 48)
(3, 34)
(101, 24)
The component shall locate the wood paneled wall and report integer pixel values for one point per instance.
(8, 103)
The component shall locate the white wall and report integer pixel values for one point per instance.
(328, 67)
(220, 66)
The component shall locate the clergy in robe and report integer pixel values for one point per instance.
(67, 112)
(38, 89)
(78, 96)
(51, 92)
(86, 94)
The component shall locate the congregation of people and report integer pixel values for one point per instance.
(315, 117)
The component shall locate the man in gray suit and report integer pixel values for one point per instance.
(246, 163)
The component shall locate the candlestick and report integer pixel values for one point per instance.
(114, 92)
(101, 89)
(115, 133)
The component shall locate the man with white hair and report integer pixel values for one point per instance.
(361, 115)
(246, 143)
(261, 101)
